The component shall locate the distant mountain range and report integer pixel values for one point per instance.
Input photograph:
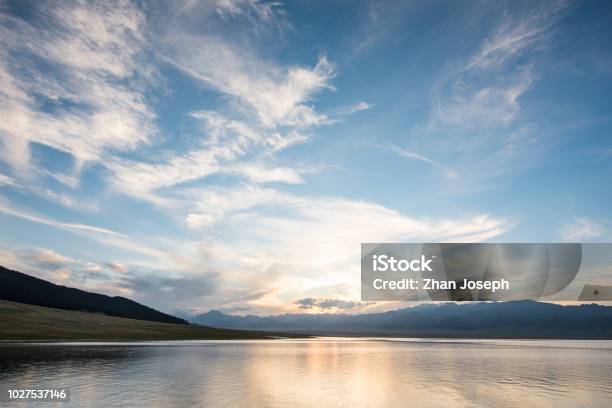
(519, 319)
(19, 287)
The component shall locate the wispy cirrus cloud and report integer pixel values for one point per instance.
(493, 105)
(7, 209)
(229, 147)
(57, 197)
(448, 172)
(349, 110)
(97, 86)
(484, 91)
(267, 111)
(66, 78)
(476, 124)
(256, 237)
(582, 229)
(276, 95)
(513, 37)
(157, 255)
(7, 181)
(212, 205)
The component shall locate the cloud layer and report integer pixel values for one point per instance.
(226, 154)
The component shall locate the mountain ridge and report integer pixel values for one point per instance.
(517, 319)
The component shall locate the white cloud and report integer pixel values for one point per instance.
(254, 9)
(92, 267)
(50, 257)
(475, 106)
(8, 210)
(276, 95)
(59, 198)
(213, 204)
(169, 256)
(582, 229)
(259, 16)
(60, 269)
(307, 246)
(118, 267)
(485, 90)
(142, 179)
(349, 110)
(68, 180)
(9, 259)
(7, 181)
(448, 172)
(514, 37)
(88, 51)
(44, 263)
(228, 146)
(262, 173)
(47, 193)
(239, 138)
(269, 247)
(477, 125)
(94, 80)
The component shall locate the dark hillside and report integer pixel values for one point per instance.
(19, 287)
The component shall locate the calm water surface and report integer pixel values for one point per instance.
(317, 372)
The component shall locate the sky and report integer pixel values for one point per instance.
(233, 154)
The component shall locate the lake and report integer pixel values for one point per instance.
(323, 372)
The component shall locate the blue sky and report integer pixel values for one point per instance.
(233, 154)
